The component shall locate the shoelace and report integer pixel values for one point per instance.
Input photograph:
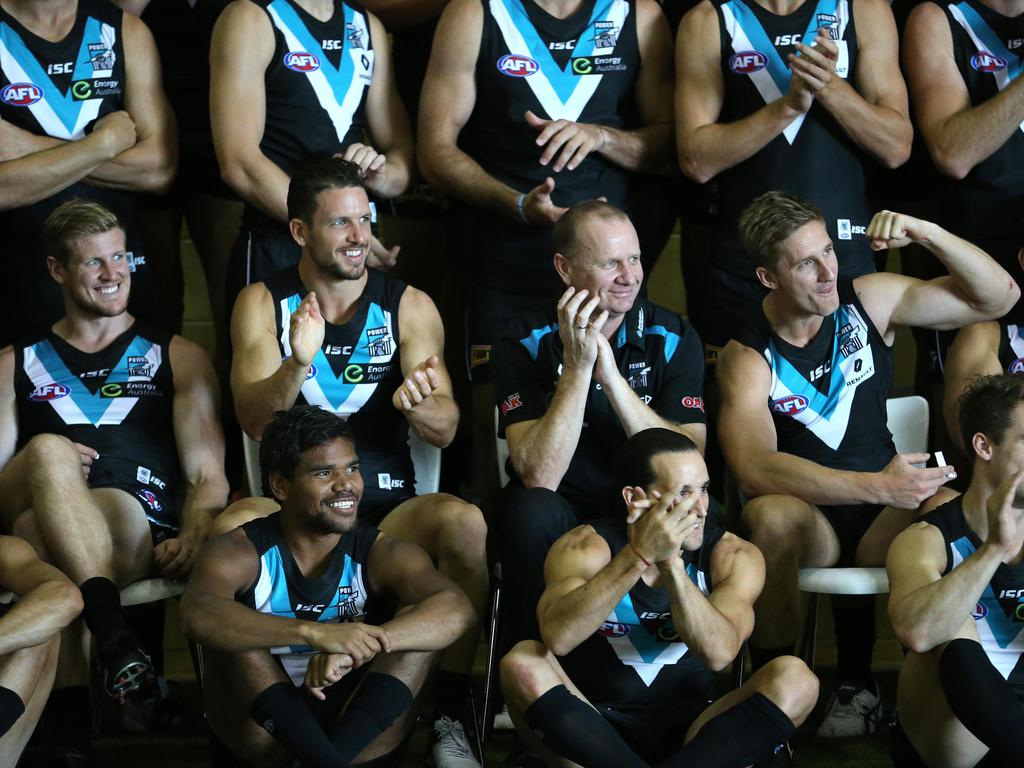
(452, 737)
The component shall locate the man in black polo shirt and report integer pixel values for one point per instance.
(574, 383)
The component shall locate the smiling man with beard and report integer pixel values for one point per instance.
(333, 333)
(309, 594)
(803, 423)
(110, 445)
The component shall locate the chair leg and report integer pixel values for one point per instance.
(490, 673)
(739, 667)
(810, 630)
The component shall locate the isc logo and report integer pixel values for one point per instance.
(21, 94)
(331, 45)
(984, 61)
(747, 62)
(300, 61)
(783, 40)
(49, 392)
(790, 405)
(514, 65)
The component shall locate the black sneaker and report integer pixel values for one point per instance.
(123, 674)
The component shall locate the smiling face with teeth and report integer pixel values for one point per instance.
(337, 239)
(96, 278)
(323, 493)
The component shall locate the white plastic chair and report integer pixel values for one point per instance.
(907, 418)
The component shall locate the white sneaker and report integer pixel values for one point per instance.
(503, 720)
(851, 712)
(449, 747)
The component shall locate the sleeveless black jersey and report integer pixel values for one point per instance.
(354, 376)
(636, 655)
(118, 401)
(827, 399)
(812, 153)
(317, 81)
(988, 50)
(60, 89)
(1011, 346)
(999, 613)
(582, 68)
(342, 594)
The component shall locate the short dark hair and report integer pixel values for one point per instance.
(986, 406)
(633, 464)
(291, 433)
(72, 220)
(569, 228)
(313, 176)
(769, 220)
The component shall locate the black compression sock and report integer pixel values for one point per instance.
(980, 697)
(761, 656)
(855, 638)
(11, 708)
(576, 731)
(751, 731)
(103, 616)
(284, 715)
(451, 690)
(378, 702)
(67, 712)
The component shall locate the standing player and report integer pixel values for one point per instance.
(315, 78)
(956, 588)
(803, 420)
(791, 95)
(82, 114)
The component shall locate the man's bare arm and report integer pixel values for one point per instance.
(47, 603)
(237, 88)
(975, 352)
(958, 135)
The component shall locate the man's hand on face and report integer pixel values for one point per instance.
(658, 525)
(577, 331)
(306, 330)
(419, 385)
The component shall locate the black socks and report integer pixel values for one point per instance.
(575, 730)
(981, 698)
(11, 708)
(379, 701)
(103, 616)
(281, 711)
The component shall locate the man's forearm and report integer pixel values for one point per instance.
(707, 151)
(933, 614)
(647, 149)
(574, 617)
(433, 624)
(783, 473)
(37, 176)
(985, 284)
(435, 420)
(39, 616)
(698, 623)
(260, 182)
(149, 166)
(256, 402)
(204, 500)
(975, 133)
(633, 413)
(461, 176)
(226, 625)
(543, 456)
(880, 131)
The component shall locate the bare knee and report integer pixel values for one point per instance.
(48, 455)
(525, 672)
(462, 534)
(774, 522)
(791, 686)
(240, 513)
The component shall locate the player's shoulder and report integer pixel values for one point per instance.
(461, 16)
(582, 543)
(698, 20)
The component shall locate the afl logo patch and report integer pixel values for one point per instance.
(514, 65)
(790, 405)
(983, 61)
(979, 612)
(747, 62)
(300, 61)
(21, 94)
(49, 392)
(613, 629)
(151, 500)
(1017, 366)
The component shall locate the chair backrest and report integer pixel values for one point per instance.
(908, 421)
(501, 445)
(426, 460)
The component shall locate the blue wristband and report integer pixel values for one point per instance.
(521, 207)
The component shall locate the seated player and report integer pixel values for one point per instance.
(803, 423)
(30, 626)
(308, 595)
(573, 382)
(110, 441)
(956, 590)
(333, 333)
(641, 607)
(982, 349)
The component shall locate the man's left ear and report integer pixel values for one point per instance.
(56, 270)
(298, 231)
